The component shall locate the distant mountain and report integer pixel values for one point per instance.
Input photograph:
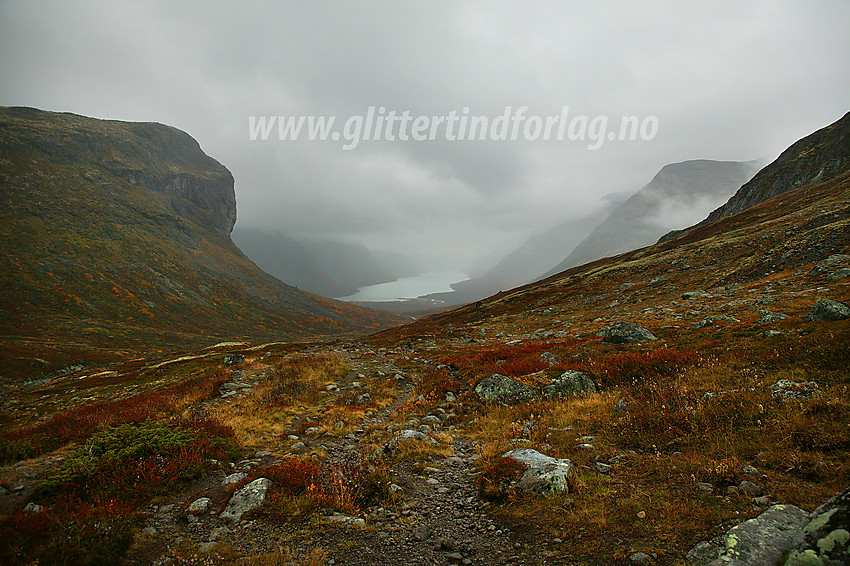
(818, 157)
(677, 196)
(537, 255)
(331, 269)
(117, 234)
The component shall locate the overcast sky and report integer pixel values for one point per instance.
(726, 80)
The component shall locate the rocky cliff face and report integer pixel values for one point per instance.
(158, 157)
(819, 157)
(118, 234)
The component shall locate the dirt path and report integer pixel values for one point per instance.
(439, 520)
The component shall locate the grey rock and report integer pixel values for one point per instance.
(298, 447)
(758, 542)
(502, 389)
(710, 320)
(621, 408)
(640, 559)
(431, 420)
(602, 468)
(823, 267)
(772, 333)
(705, 486)
(826, 535)
(786, 389)
(749, 488)
(33, 508)
(450, 397)
(828, 310)
(543, 474)
(205, 547)
(549, 358)
(198, 506)
(766, 317)
(235, 477)
(569, 384)
(622, 332)
(245, 499)
(689, 295)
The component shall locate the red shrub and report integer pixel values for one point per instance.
(638, 367)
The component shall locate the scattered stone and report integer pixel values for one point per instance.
(640, 559)
(622, 332)
(348, 521)
(842, 273)
(450, 397)
(246, 499)
(569, 384)
(33, 508)
(363, 399)
(710, 320)
(766, 317)
(233, 359)
(749, 488)
(262, 454)
(549, 358)
(705, 486)
(751, 471)
(602, 468)
(772, 333)
(826, 535)
(235, 477)
(761, 540)
(689, 295)
(198, 506)
(786, 389)
(827, 309)
(502, 389)
(205, 547)
(219, 532)
(543, 474)
(298, 447)
(823, 266)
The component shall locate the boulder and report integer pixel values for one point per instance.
(758, 542)
(233, 359)
(199, 506)
(245, 499)
(622, 332)
(543, 474)
(569, 384)
(502, 389)
(766, 317)
(827, 309)
(786, 389)
(826, 536)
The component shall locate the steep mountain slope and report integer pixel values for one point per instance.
(331, 269)
(535, 256)
(679, 194)
(117, 235)
(820, 156)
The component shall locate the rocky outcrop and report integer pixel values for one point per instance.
(622, 332)
(758, 542)
(827, 309)
(160, 158)
(826, 537)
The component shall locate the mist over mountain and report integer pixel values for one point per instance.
(677, 196)
(535, 256)
(327, 268)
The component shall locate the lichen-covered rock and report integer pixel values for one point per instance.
(758, 542)
(766, 317)
(246, 498)
(543, 475)
(502, 389)
(199, 506)
(827, 309)
(622, 332)
(569, 384)
(786, 389)
(826, 537)
(233, 359)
